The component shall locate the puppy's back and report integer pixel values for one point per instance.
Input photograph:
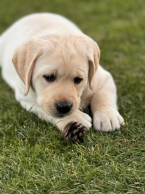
(23, 30)
(33, 25)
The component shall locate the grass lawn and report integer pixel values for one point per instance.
(34, 157)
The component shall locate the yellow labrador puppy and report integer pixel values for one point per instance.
(54, 70)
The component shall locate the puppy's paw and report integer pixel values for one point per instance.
(74, 125)
(106, 121)
(84, 119)
(74, 130)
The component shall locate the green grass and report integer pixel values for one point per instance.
(34, 157)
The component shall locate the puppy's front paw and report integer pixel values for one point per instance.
(107, 121)
(74, 130)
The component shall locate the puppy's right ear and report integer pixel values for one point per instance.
(24, 60)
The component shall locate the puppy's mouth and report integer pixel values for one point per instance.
(60, 115)
(56, 114)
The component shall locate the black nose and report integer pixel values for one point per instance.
(63, 107)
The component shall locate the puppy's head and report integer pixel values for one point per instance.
(58, 67)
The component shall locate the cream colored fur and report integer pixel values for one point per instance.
(45, 44)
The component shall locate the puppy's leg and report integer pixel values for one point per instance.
(72, 126)
(104, 107)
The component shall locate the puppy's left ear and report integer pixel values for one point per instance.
(24, 60)
(93, 60)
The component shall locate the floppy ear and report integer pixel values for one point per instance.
(93, 64)
(24, 60)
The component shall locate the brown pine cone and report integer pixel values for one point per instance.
(74, 130)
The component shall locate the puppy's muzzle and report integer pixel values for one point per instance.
(63, 107)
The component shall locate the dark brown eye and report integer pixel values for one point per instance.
(50, 78)
(78, 80)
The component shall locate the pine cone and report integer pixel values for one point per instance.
(74, 130)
